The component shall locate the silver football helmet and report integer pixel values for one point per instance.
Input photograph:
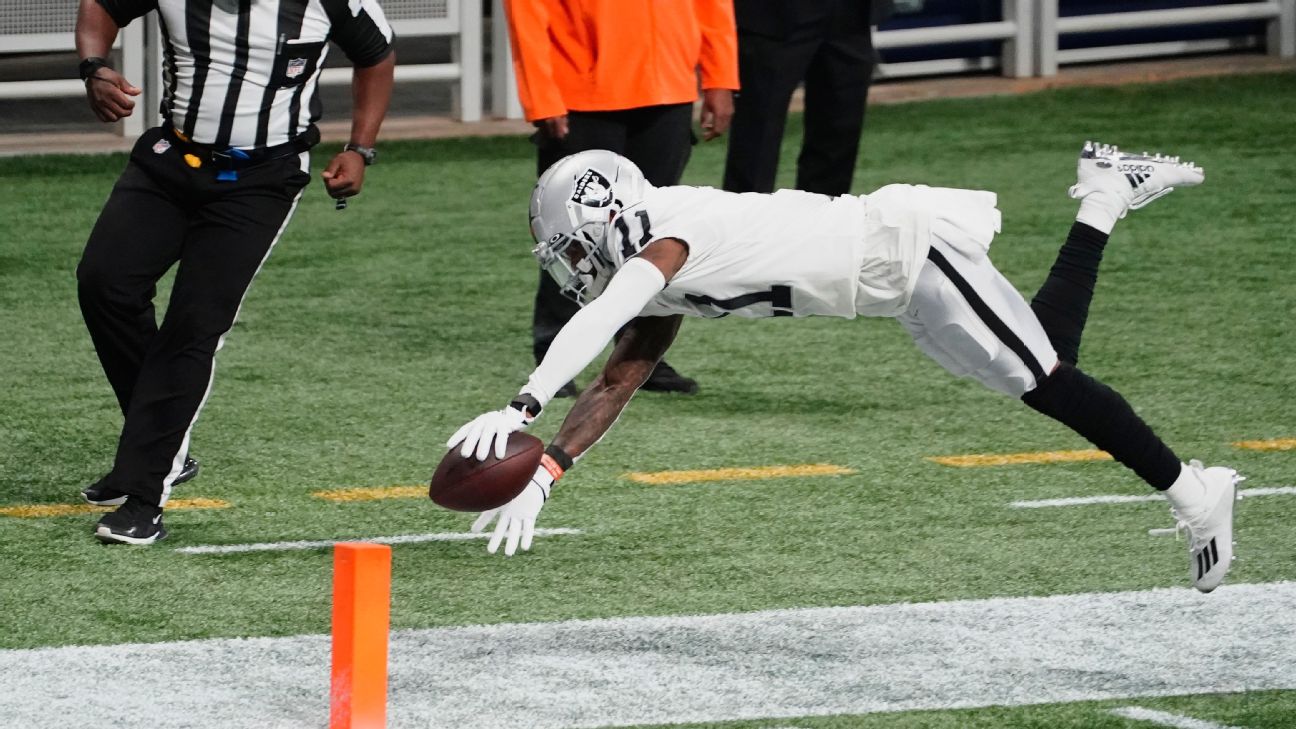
(572, 209)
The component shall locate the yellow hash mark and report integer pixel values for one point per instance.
(1277, 444)
(373, 494)
(1014, 459)
(37, 511)
(661, 478)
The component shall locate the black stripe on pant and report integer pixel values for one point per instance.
(987, 315)
(162, 213)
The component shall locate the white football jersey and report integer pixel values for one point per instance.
(791, 253)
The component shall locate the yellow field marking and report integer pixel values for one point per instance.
(661, 478)
(36, 511)
(373, 493)
(1014, 459)
(1277, 444)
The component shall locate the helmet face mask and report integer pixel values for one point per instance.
(572, 209)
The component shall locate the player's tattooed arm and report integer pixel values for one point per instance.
(642, 344)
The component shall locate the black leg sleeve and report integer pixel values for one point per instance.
(1062, 304)
(1101, 415)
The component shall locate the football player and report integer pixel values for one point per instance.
(642, 257)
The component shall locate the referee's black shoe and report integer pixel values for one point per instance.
(134, 522)
(101, 494)
(664, 378)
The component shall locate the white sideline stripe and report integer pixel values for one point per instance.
(1116, 499)
(1138, 713)
(776, 665)
(402, 539)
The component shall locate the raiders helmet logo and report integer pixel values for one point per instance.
(593, 190)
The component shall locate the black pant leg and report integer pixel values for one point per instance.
(660, 141)
(836, 92)
(769, 70)
(586, 130)
(228, 239)
(136, 239)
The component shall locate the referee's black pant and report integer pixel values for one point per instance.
(163, 211)
(837, 69)
(659, 139)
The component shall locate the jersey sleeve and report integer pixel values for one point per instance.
(360, 29)
(589, 330)
(124, 11)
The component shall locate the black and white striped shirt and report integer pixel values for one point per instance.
(242, 73)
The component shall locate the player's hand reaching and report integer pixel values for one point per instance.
(478, 434)
(110, 94)
(517, 518)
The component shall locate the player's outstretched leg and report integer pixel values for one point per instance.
(1201, 499)
(1109, 184)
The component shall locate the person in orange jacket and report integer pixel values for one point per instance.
(621, 75)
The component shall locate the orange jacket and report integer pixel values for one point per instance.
(603, 55)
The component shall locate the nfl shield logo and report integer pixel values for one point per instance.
(296, 67)
(161, 146)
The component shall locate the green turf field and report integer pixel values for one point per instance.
(373, 333)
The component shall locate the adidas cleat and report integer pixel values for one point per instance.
(1138, 179)
(1209, 523)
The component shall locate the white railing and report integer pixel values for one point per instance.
(1029, 36)
(1280, 37)
(139, 45)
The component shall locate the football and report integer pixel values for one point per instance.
(467, 484)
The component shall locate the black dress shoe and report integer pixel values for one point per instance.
(134, 522)
(101, 494)
(187, 472)
(664, 378)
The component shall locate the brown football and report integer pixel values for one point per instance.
(467, 484)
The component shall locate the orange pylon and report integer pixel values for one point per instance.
(361, 618)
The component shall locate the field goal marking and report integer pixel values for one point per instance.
(1162, 718)
(664, 478)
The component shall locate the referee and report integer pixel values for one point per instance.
(211, 189)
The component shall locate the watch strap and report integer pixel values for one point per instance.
(368, 153)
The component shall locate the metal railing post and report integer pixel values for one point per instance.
(1046, 38)
(468, 54)
(1018, 51)
(1282, 30)
(504, 98)
(153, 85)
(134, 68)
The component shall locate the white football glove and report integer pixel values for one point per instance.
(496, 425)
(517, 518)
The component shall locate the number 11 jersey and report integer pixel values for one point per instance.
(790, 253)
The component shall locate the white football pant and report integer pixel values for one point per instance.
(965, 315)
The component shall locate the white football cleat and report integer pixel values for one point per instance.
(1209, 522)
(1138, 179)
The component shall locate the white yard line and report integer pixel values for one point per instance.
(1115, 499)
(402, 539)
(1138, 713)
(776, 665)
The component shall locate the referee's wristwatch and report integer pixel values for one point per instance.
(89, 66)
(368, 153)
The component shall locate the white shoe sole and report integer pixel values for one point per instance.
(105, 535)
